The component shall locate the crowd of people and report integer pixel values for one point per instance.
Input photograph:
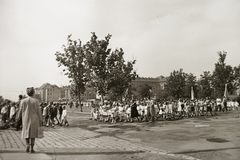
(53, 113)
(150, 110)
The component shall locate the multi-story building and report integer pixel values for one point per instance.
(155, 83)
(48, 92)
(65, 93)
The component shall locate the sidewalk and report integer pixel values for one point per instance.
(76, 142)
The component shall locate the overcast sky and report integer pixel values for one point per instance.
(162, 35)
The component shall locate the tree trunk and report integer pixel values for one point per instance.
(79, 99)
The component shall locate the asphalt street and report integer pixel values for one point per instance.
(205, 137)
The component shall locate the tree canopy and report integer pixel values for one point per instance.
(96, 65)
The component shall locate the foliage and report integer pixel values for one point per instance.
(190, 82)
(175, 84)
(73, 60)
(205, 88)
(120, 74)
(144, 91)
(237, 77)
(162, 94)
(96, 57)
(109, 74)
(223, 74)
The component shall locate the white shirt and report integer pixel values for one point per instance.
(64, 113)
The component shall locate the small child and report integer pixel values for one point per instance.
(160, 113)
(114, 114)
(64, 117)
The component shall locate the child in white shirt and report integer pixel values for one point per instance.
(64, 117)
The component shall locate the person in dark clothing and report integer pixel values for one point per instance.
(50, 114)
(18, 115)
(134, 112)
(55, 113)
(224, 108)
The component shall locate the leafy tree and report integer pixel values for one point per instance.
(96, 56)
(237, 77)
(73, 59)
(175, 83)
(190, 82)
(144, 91)
(109, 73)
(205, 88)
(162, 94)
(120, 74)
(223, 74)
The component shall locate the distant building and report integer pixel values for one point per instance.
(156, 83)
(48, 92)
(65, 93)
(51, 92)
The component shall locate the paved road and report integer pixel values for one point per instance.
(196, 138)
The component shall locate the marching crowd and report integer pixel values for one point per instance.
(150, 110)
(55, 113)
(52, 114)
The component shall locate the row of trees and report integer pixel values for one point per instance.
(94, 64)
(209, 84)
(179, 84)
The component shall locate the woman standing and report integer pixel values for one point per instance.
(31, 119)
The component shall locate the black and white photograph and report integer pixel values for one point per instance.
(119, 79)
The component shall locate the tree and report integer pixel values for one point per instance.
(144, 91)
(96, 57)
(190, 83)
(222, 75)
(175, 83)
(120, 75)
(237, 77)
(73, 60)
(162, 94)
(204, 83)
(109, 74)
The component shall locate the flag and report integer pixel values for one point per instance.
(192, 94)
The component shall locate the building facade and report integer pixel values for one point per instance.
(155, 83)
(51, 92)
(48, 92)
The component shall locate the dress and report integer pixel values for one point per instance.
(134, 112)
(31, 117)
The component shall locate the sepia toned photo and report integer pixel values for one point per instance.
(119, 80)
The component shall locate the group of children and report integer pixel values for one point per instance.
(149, 110)
(53, 112)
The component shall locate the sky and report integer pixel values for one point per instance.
(162, 35)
